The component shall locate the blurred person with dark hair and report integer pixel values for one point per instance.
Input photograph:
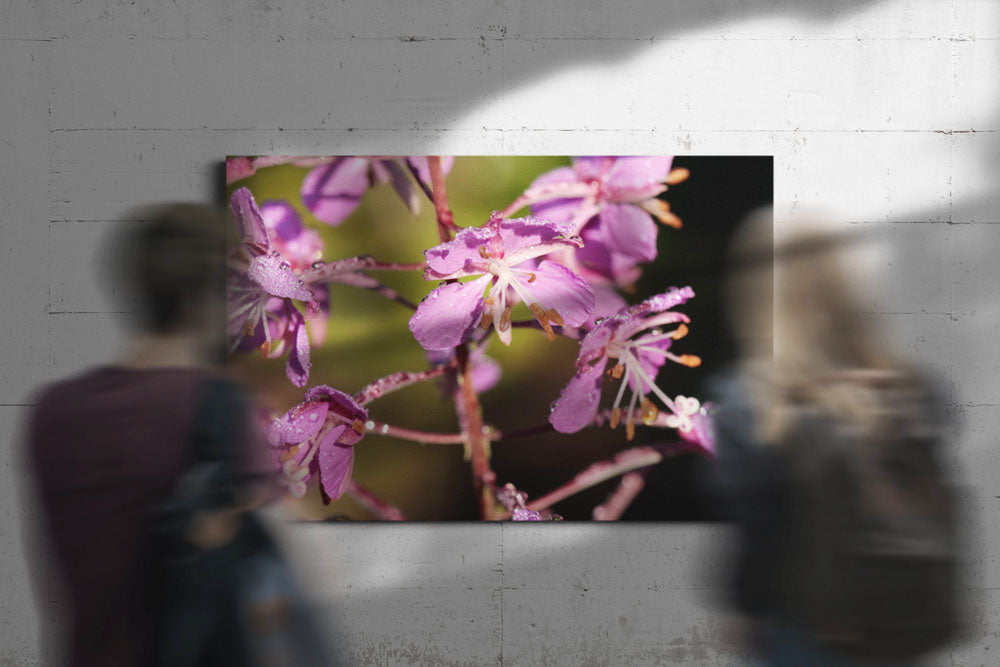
(145, 468)
(829, 459)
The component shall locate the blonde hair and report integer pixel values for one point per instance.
(824, 351)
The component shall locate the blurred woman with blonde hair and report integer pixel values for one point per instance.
(828, 455)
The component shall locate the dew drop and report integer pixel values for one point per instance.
(370, 425)
(384, 429)
(656, 332)
(285, 266)
(598, 321)
(313, 417)
(318, 265)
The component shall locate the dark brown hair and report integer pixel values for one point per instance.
(171, 260)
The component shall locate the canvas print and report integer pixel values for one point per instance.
(485, 338)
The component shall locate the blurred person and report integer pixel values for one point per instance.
(830, 467)
(146, 468)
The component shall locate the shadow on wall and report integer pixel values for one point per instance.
(927, 287)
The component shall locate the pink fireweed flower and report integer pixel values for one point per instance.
(258, 275)
(632, 337)
(317, 437)
(608, 201)
(502, 254)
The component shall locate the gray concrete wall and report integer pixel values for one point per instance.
(883, 111)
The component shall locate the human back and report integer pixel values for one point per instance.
(830, 445)
(109, 444)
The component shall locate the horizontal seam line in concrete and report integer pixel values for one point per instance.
(477, 38)
(411, 130)
(90, 312)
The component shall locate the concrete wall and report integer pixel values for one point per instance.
(883, 110)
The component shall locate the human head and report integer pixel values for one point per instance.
(171, 262)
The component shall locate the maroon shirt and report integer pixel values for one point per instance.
(106, 447)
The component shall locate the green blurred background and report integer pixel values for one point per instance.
(367, 338)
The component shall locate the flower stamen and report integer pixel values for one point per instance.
(540, 315)
(505, 319)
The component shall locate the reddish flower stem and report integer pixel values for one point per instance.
(422, 437)
(467, 407)
(522, 432)
(470, 416)
(620, 499)
(625, 461)
(394, 382)
(366, 282)
(445, 218)
(322, 272)
(392, 295)
(380, 508)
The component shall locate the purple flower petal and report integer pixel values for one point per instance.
(522, 514)
(557, 287)
(281, 217)
(318, 324)
(238, 168)
(396, 174)
(297, 367)
(577, 405)
(248, 218)
(276, 277)
(332, 191)
(592, 168)
(607, 302)
(448, 315)
(298, 424)
(486, 372)
(342, 405)
(450, 258)
(595, 257)
(556, 210)
(520, 236)
(629, 230)
(633, 179)
(593, 345)
(336, 462)
(673, 297)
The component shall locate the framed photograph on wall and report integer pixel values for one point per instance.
(486, 338)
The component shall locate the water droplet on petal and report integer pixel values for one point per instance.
(370, 425)
(385, 429)
(656, 332)
(313, 417)
(318, 265)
